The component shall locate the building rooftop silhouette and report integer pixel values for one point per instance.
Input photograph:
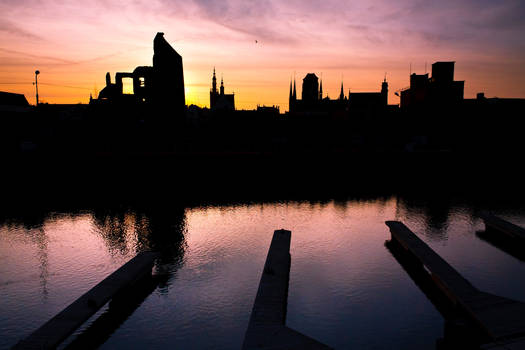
(220, 100)
(313, 100)
(160, 85)
(12, 99)
(438, 90)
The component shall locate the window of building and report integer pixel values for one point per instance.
(127, 86)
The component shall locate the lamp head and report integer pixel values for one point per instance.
(37, 72)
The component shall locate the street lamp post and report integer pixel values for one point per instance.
(37, 72)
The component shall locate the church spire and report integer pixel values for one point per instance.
(214, 82)
(321, 90)
(222, 85)
(294, 91)
(290, 96)
(342, 94)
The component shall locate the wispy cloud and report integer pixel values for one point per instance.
(21, 54)
(10, 28)
(76, 37)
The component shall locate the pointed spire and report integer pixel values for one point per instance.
(384, 91)
(342, 94)
(321, 90)
(294, 90)
(214, 82)
(290, 96)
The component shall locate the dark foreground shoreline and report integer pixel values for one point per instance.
(202, 179)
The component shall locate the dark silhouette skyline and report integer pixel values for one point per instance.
(433, 117)
(313, 101)
(358, 40)
(148, 165)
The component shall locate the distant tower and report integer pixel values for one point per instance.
(321, 89)
(214, 94)
(108, 79)
(310, 93)
(342, 93)
(384, 92)
(214, 82)
(168, 90)
(218, 99)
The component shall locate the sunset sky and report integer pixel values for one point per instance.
(75, 43)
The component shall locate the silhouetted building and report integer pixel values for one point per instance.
(268, 109)
(161, 85)
(220, 100)
(12, 99)
(168, 74)
(310, 93)
(369, 100)
(313, 101)
(312, 97)
(439, 90)
(491, 106)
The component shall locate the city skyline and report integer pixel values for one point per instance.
(259, 46)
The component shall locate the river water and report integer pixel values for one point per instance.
(346, 288)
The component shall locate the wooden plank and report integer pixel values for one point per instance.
(266, 328)
(270, 303)
(120, 308)
(497, 317)
(446, 277)
(54, 331)
(493, 222)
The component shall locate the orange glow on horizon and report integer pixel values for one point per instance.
(74, 45)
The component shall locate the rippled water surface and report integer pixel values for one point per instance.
(346, 289)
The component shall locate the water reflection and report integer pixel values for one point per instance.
(36, 237)
(128, 232)
(458, 333)
(160, 228)
(117, 229)
(345, 287)
(434, 214)
(118, 311)
(41, 243)
(501, 241)
(61, 254)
